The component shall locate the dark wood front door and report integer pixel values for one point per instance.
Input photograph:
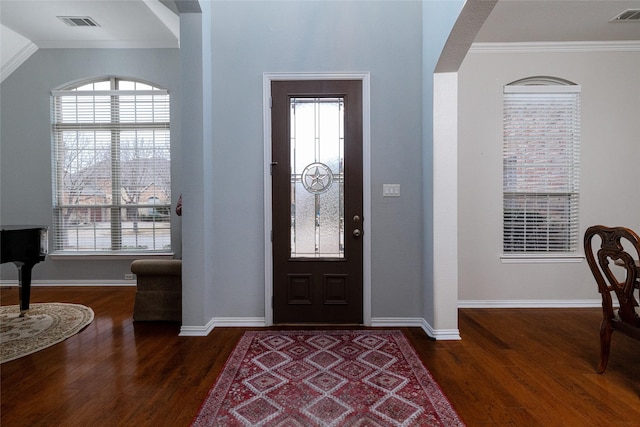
(317, 201)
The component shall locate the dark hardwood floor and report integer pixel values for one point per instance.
(513, 367)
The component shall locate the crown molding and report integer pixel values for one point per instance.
(108, 44)
(17, 60)
(555, 47)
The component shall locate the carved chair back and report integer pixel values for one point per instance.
(614, 265)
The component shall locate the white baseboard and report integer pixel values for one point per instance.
(197, 331)
(438, 334)
(441, 334)
(394, 322)
(416, 322)
(579, 303)
(409, 322)
(244, 322)
(222, 322)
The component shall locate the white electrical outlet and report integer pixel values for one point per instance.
(128, 276)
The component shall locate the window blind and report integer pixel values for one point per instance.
(541, 176)
(111, 165)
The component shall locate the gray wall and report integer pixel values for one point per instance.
(25, 138)
(380, 37)
(610, 149)
(242, 41)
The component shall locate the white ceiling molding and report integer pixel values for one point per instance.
(16, 60)
(168, 17)
(105, 44)
(555, 47)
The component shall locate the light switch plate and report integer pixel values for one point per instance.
(390, 190)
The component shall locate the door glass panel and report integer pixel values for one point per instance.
(317, 177)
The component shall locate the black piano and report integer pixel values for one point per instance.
(25, 246)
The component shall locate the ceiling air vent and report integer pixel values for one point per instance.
(629, 15)
(78, 21)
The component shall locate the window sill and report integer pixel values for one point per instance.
(68, 256)
(540, 259)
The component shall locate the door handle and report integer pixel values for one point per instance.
(357, 233)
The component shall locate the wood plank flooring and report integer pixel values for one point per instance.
(513, 367)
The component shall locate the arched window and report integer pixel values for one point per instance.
(541, 167)
(111, 156)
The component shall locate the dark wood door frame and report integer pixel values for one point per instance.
(309, 287)
(267, 79)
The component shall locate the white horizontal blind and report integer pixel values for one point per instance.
(541, 169)
(111, 166)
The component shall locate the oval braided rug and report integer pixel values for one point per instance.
(42, 326)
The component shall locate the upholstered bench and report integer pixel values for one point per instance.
(159, 289)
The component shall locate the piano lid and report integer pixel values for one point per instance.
(20, 242)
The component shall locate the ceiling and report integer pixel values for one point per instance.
(526, 21)
(154, 24)
(128, 23)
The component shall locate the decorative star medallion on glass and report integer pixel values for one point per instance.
(317, 178)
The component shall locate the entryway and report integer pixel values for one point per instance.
(317, 204)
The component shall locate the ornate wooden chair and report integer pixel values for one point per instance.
(616, 270)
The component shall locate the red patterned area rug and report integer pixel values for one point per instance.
(325, 378)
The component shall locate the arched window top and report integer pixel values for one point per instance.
(112, 83)
(542, 81)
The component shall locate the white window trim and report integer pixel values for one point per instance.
(75, 91)
(543, 85)
(539, 259)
